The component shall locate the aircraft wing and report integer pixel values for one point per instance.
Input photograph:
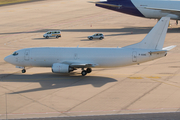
(107, 4)
(164, 9)
(85, 65)
(79, 65)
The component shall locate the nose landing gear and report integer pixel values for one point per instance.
(84, 72)
(23, 69)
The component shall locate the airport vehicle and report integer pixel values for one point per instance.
(56, 34)
(144, 8)
(67, 59)
(96, 36)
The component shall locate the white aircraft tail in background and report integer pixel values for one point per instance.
(65, 60)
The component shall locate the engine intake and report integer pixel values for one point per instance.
(60, 68)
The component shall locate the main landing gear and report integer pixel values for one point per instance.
(84, 72)
(23, 70)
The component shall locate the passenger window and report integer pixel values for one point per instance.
(15, 53)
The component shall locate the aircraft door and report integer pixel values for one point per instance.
(26, 55)
(134, 56)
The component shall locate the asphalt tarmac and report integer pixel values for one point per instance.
(152, 87)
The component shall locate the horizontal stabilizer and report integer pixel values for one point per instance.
(106, 4)
(169, 47)
(157, 51)
(166, 49)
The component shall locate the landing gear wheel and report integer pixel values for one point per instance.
(47, 37)
(89, 70)
(84, 72)
(23, 71)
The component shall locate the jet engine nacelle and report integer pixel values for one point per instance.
(60, 68)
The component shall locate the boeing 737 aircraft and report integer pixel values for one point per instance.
(65, 60)
(144, 8)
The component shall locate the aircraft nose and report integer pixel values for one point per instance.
(8, 59)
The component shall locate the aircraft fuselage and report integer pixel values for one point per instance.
(102, 57)
(146, 8)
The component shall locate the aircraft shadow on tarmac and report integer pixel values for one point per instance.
(54, 81)
(122, 31)
(116, 32)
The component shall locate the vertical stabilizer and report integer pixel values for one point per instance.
(155, 38)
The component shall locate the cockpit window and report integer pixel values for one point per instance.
(15, 53)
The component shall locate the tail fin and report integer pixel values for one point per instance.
(155, 38)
